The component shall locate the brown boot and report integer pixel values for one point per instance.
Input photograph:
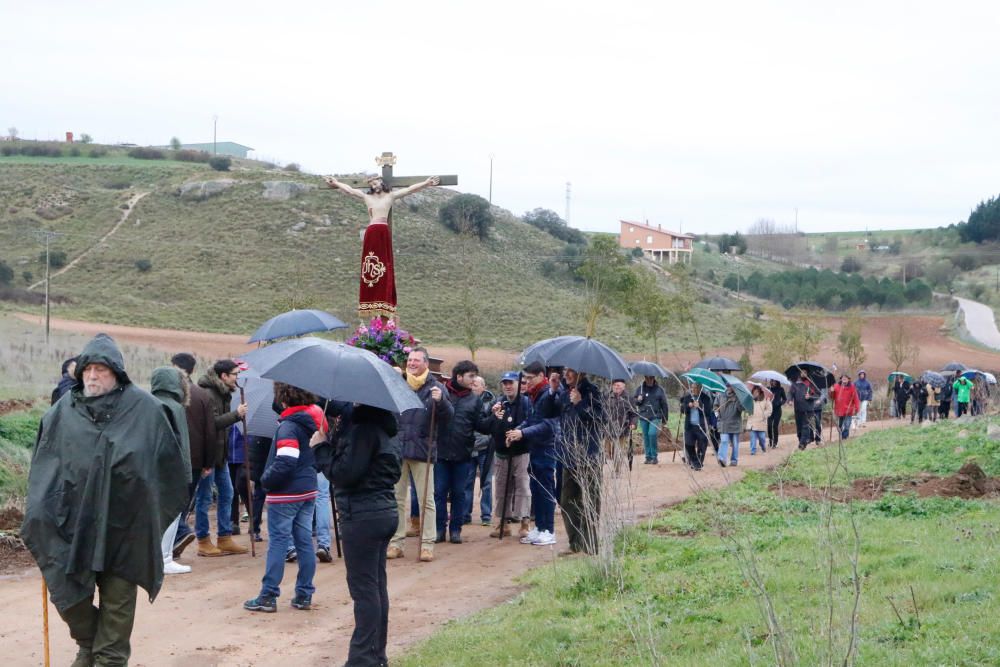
(227, 546)
(394, 552)
(414, 528)
(525, 528)
(496, 531)
(206, 548)
(426, 555)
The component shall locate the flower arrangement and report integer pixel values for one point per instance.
(384, 339)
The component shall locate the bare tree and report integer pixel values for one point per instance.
(900, 348)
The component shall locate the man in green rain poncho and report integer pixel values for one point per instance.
(106, 480)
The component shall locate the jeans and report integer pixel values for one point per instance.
(365, 543)
(449, 480)
(482, 465)
(726, 440)
(288, 524)
(324, 511)
(543, 492)
(650, 429)
(223, 507)
(758, 437)
(844, 424)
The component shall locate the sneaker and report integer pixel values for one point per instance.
(487, 522)
(262, 603)
(175, 568)
(257, 537)
(324, 556)
(531, 536)
(305, 604)
(544, 538)
(456, 538)
(291, 556)
(245, 518)
(180, 544)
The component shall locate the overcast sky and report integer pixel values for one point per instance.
(702, 115)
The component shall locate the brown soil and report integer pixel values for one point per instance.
(10, 519)
(15, 405)
(968, 483)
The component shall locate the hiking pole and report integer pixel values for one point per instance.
(336, 523)
(432, 439)
(45, 619)
(246, 471)
(677, 436)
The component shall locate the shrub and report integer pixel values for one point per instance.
(220, 163)
(74, 151)
(86, 138)
(188, 155)
(293, 166)
(97, 152)
(8, 150)
(57, 258)
(637, 253)
(145, 153)
(6, 273)
(144, 265)
(117, 184)
(28, 276)
(468, 214)
(850, 265)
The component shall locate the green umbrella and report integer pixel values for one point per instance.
(742, 392)
(906, 376)
(706, 378)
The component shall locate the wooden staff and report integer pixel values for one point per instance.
(45, 619)
(432, 439)
(246, 471)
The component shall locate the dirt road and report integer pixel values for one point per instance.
(198, 619)
(980, 323)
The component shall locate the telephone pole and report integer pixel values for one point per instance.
(568, 193)
(47, 236)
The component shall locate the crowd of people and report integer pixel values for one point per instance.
(108, 511)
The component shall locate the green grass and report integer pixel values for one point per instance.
(684, 600)
(17, 437)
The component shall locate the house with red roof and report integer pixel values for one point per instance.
(657, 243)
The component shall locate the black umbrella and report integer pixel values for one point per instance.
(296, 323)
(955, 366)
(718, 364)
(259, 392)
(585, 355)
(932, 378)
(335, 371)
(817, 373)
(646, 368)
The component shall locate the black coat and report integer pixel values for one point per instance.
(704, 403)
(581, 424)
(364, 465)
(468, 419)
(778, 398)
(654, 402)
(415, 425)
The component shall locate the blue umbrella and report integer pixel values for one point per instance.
(645, 368)
(932, 378)
(582, 354)
(717, 364)
(334, 371)
(296, 323)
(972, 373)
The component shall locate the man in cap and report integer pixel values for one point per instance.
(513, 484)
(107, 478)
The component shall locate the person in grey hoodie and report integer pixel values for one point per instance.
(730, 426)
(864, 388)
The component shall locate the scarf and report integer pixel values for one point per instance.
(457, 389)
(537, 389)
(417, 381)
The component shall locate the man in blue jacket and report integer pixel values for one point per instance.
(864, 389)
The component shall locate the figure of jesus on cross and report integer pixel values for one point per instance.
(377, 292)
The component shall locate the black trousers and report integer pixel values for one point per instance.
(365, 542)
(238, 474)
(773, 425)
(962, 408)
(580, 503)
(802, 429)
(695, 446)
(944, 409)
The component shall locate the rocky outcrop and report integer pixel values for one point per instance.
(283, 190)
(200, 190)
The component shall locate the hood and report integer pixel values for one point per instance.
(310, 416)
(211, 380)
(65, 365)
(167, 381)
(102, 349)
(860, 373)
(366, 414)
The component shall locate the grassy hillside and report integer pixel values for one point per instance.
(228, 261)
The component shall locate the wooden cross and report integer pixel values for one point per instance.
(387, 160)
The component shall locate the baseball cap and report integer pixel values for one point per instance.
(509, 376)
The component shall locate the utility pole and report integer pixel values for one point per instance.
(47, 236)
(568, 189)
(215, 128)
(491, 179)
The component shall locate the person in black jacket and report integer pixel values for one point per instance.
(504, 415)
(900, 394)
(583, 423)
(944, 405)
(366, 462)
(918, 392)
(454, 455)
(651, 402)
(778, 399)
(696, 406)
(66, 380)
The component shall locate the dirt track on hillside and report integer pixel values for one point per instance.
(198, 619)
(936, 348)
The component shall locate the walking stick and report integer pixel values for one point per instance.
(336, 523)
(432, 440)
(45, 619)
(246, 472)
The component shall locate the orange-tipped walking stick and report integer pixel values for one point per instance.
(45, 619)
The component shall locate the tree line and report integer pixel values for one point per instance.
(829, 290)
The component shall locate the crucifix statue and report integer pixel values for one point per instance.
(377, 292)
